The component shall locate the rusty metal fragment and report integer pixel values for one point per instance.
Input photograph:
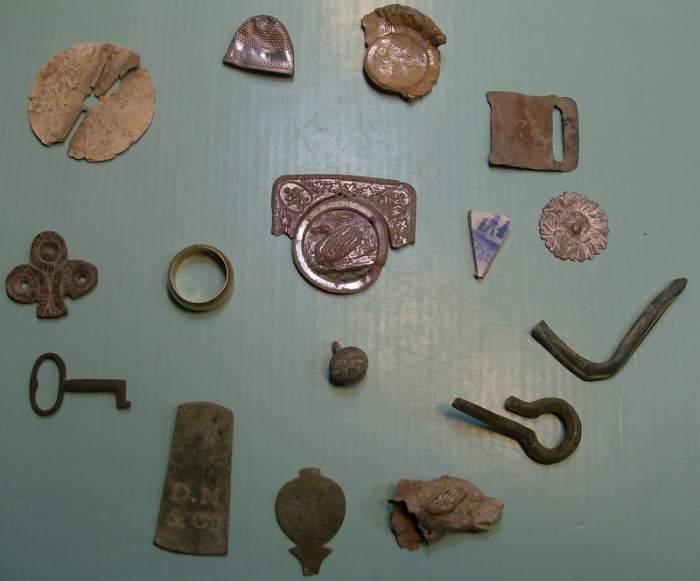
(402, 50)
(114, 386)
(574, 227)
(348, 364)
(310, 510)
(521, 131)
(57, 99)
(50, 277)
(194, 508)
(526, 437)
(262, 43)
(425, 510)
(342, 226)
(594, 371)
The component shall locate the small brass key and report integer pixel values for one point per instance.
(115, 386)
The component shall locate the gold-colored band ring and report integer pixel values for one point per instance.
(220, 258)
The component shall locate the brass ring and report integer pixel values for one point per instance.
(220, 258)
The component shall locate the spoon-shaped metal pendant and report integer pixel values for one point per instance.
(262, 43)
(310, 510)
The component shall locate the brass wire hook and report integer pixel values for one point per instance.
(525, 436)
(593, 370)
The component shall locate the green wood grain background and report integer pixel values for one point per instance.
(79, 491)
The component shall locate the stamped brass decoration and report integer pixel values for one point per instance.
(262, 43)
(574, 227)
(342, 226)
(50, 277)
(522, 131)
(402, 50)
(194, 508)
(310, 510)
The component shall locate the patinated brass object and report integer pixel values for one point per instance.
(402, 50)
(114, 386)
(348, 365)
(521, 131)
(425, 510)
(310, 510)
(220, 259)
(525, 436)
(342, 226)
(50, 277)
(262, 43)
(593, 371)
(194, 508)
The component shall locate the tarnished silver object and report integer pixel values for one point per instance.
(574, 227)
(425, 510)
(194, 508)
(262, 43)
(342, 226)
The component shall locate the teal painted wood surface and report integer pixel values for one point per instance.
(79, 492)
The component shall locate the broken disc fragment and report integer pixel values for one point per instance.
(262, 43)
(402, 50)
(194, 508)
(57, 99)
(574, 227)
(488, 232)
(425, 510)
(522, 131)
(310, 510)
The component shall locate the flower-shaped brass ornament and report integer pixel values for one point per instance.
(50, 276)
(402, 50)
(574, 227)
(342, 226)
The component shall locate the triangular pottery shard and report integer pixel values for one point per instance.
(488, 233)
(262, 43)
(194, 508)
(310, 510)
(402, 50)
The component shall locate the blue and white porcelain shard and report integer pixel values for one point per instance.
(489, 232)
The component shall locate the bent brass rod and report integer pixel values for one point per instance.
(525, 436)
(595, 371)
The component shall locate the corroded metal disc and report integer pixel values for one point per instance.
(194, 508)
(57, 100)
(402, 50)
